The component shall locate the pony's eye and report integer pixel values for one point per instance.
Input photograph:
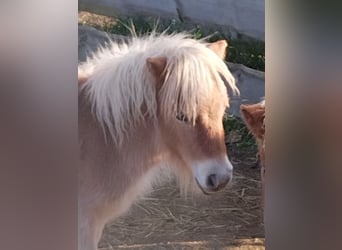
(181, 117)
(263, 122)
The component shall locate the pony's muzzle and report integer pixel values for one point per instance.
(213, 175)
(217, 182)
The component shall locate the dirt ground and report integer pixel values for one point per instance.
(231, 219)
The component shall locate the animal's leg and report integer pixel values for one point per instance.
(89, 232)
(86, 234)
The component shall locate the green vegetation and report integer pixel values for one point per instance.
(241, 50)
(237, 134)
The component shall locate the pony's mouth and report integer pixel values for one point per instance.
(207, 192)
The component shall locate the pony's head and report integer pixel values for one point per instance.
(192, 99)
(175, 83)
(254, 118)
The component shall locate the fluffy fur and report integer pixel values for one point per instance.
(119, 84)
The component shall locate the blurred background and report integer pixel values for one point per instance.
(39, 46)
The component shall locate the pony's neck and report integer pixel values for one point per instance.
(143, 141)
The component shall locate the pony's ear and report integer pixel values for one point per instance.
(246, 113)
(253, 115)
(219, 47)
(156, 66)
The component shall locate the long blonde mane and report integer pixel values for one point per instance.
(123, 92)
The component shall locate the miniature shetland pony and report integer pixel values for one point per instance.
(154, 101)
(254, 118)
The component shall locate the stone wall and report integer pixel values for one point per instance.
(245, 17)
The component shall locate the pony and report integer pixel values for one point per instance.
(151, 102)
(253, 116)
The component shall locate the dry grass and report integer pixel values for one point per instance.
(231, 219)
(94, 20)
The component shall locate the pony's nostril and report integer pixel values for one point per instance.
(212, 181)
(216, 182)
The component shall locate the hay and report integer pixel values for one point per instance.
(165, 220)
(95, 20)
